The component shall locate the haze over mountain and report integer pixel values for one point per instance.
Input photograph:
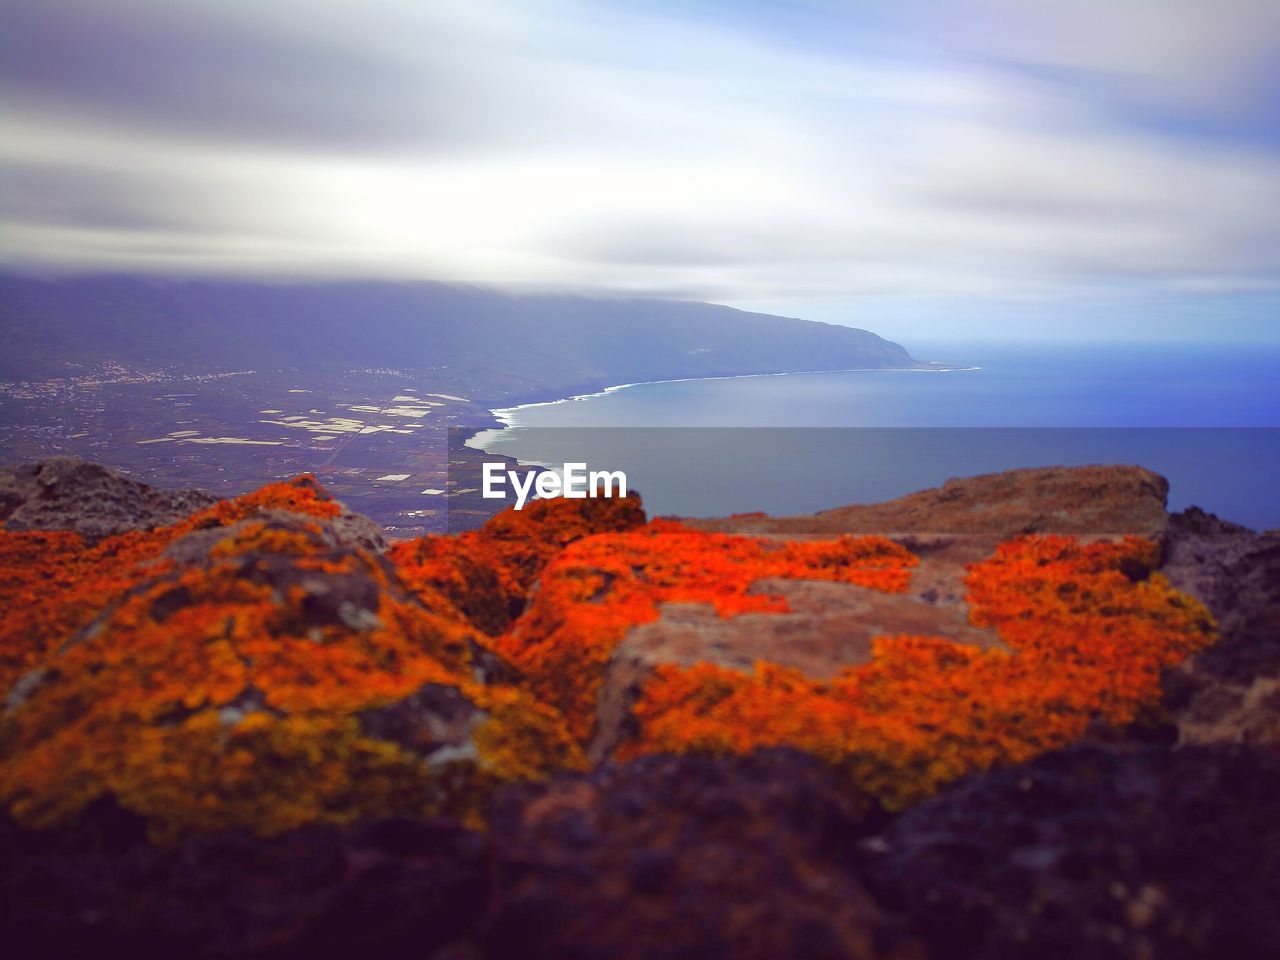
(504, 342)
(1063, 169)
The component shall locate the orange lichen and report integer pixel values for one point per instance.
(487, 573)
(54, 584)
(301, 495)
(600, 587)
(222, 684)
(1090, 629)
(222, 671)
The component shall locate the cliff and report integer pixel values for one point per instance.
(251, 727)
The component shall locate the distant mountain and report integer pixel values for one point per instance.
(509, 344)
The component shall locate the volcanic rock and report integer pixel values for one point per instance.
(236, 735)
(379, 889)
(63, 493)
(1079, 500)
(255, 666)
(1093, 851)
(685, 857)
(489, 573)
(827, 628)
(1231, 691)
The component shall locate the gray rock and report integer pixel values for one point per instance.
(1229, 693)
(1100, 851)
(63, 493)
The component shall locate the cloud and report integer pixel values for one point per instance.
(1177, 57)
(981, 148)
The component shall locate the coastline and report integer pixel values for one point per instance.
(506, 415)
(479, 437)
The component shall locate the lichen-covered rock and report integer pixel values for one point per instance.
(249, 730)
(238, 669)
(488, 573)
(1087, 629)
(826, 629)
(598, 589)
(1093, 851)
(63, 493)
(55, 583)
(685, 857)
(1075, 500)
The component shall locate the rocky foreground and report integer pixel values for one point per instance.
(1022, 715)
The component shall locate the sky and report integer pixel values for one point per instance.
(1055, 169)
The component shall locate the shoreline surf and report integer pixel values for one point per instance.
(505, 415)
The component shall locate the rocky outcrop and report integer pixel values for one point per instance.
(616, 601)
(1077, 500)
(67, 494)
(1095, 851)
(686, 857)
(825, 629)
(62, 493)
(664, 857)
(489, 573)
(254, 666)
(1229, 693)
(250, 730)
(1115, 851)
(671, 640)
(1119, 847)
(378, 889)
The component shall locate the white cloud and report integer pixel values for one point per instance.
(579, 145)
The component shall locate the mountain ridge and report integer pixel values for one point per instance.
(515, 342)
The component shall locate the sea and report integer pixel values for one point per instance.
(1205, 415)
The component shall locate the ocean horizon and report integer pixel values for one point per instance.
(1207, 416)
